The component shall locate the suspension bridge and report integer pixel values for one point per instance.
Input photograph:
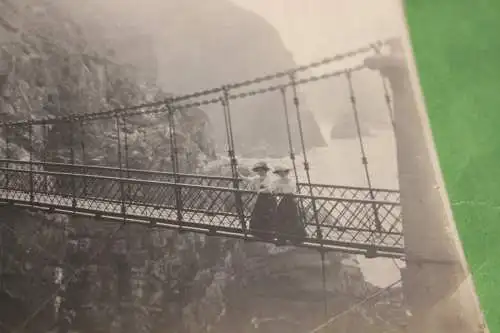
(358, 220)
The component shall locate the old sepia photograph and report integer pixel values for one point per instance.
(225, 166)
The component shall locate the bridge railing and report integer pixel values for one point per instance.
(349, 192)
(341, 220)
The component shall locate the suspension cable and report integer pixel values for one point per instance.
(388, 102)
(32, 180)
(125, 142)
(387, 97)
(296, 102)
(2, 239)
(364, 159)
(292, 157)
(82, 141)
(72, 160)
(303, 68)
(175, 162)
(289, 136)
(119, 147)
(232, 157)
(319, 233)
(7, 153)
(45, 151)
(230, 126)
(45, 135)
(228, 140)
(83, 155)
(71, 143)
(6, 139)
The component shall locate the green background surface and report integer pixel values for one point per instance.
(457, 49)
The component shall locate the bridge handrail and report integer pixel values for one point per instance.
(167, 173)
(161, 106)
(193, 186)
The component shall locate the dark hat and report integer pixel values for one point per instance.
(280, 169)
(260, 166)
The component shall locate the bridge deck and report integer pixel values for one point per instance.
(347, 224)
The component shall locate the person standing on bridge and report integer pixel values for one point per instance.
(289, 226)
(262, 219)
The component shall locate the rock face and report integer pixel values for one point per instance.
(198, 45)
(130, 279)
(111, 285)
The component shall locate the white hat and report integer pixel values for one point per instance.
(280, 169)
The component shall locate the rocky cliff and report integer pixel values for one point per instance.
(194, 45)
(115, 280)
(130, 279)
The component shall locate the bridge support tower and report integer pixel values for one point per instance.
(438, 290)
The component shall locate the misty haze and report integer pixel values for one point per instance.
(86, 271)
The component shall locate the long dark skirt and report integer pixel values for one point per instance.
(289, 225)
(262, 220)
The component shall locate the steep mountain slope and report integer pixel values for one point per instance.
(49, 71)
(205, 44)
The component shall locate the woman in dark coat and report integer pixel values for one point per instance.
(262, 219)
(288, 219)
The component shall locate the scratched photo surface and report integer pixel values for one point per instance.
(227, 166)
